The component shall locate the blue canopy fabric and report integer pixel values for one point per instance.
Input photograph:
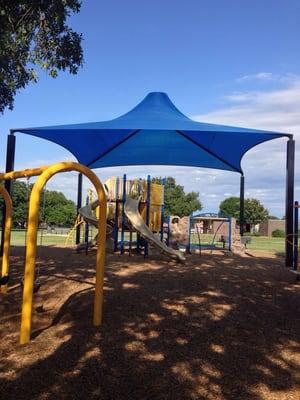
(155, 132)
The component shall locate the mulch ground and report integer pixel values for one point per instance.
(218, 327)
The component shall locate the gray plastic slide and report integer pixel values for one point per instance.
(87, 214)
(131, 209)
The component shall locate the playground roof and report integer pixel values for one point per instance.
(155, 132)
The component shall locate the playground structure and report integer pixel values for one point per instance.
(144, 214)
(151, 133)
(133, 205)
(45, 173)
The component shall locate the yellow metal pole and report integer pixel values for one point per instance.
(32, 239)
(7, 232)
(24, 173)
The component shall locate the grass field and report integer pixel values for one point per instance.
(262, 243)
(18, 238)
(265, 243)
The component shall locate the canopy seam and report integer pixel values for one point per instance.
(208, 151)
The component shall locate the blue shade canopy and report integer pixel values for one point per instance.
(155, 132)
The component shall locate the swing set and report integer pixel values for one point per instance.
(30, 286)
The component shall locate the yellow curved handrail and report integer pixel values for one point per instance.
(7, 233)
(30, 259)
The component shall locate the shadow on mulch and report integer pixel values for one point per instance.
(219, 327)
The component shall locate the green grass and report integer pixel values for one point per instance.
(265, 243)
(259, 243)
(18, 238)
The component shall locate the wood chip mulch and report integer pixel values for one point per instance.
(219, 327)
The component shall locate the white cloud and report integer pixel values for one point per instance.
(267, 77)
(263, 76)
(264, 166)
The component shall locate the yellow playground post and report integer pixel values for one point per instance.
(33, 216)
(32, 239)
(7, 232)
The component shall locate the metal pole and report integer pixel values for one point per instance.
(162, 212)
(188, 247)
(168, 231)
(138, 237)
(79, 205)
(296, 235)
(31, 248)
(116, 227)
(242, 205)
(123, 214)
(10, 162)
(86, 231)
(148, 211)
(289, 203)
(229, 233)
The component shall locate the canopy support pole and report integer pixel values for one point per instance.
(79, 205)
(10, 162)
(289, 203)
(242, 205)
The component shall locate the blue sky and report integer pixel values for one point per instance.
(234, 62)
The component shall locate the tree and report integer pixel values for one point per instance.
(20, 198)
(230, 207)
(177, 202)
(272, 217)
(57, 211)
(253, 214)
(34, 34)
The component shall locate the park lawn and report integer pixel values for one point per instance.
(258, 243)
(18, 238)
(265, 243)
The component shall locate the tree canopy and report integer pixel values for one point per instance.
(34, 34)
(254, 212)
(55, 209)
(230, 207)
(58, 209)
(177, 202)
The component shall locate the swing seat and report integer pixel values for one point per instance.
(4, 280)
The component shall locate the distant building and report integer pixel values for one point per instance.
(210, 223)
(270, 225)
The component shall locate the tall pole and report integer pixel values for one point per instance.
(122, 247)
(296, 234)
(116, 227)
(162, 211)
(79, 205)
(10, 163)
(148, 200)
(289, 203)
(242, 205)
